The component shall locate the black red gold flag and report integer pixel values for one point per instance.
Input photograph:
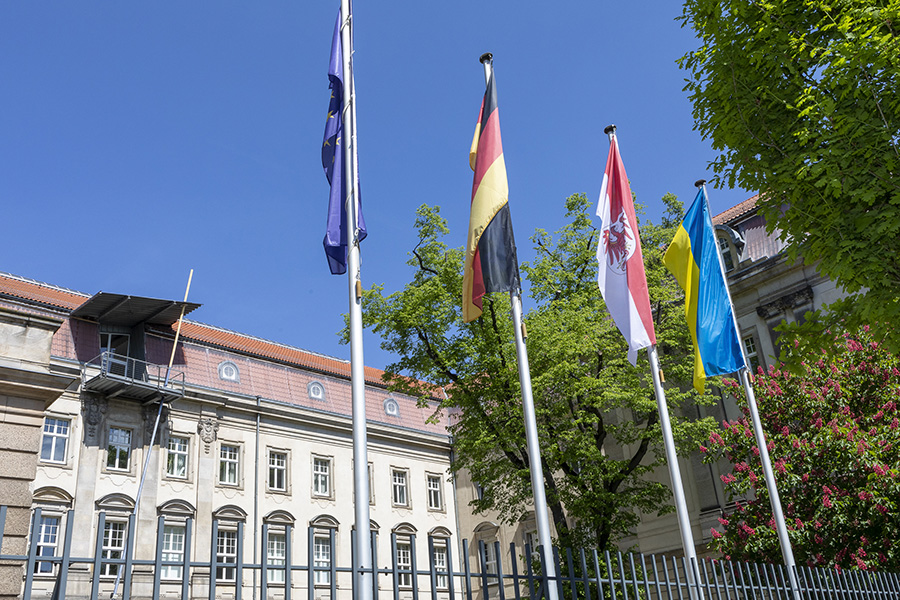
(491, 263)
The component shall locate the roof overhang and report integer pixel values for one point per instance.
(128, 311)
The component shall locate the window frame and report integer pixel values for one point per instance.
(404, 563)
(398, 489)
(318, 477)
(274, 469)
(235, 461)
(274, 561)
(107, 550)
(47, 540)
(322, 540)
(442, 573)
(184, 455)
(435, 493)
(226, 558)
(119, 446)
(169, 553)
(54, 436)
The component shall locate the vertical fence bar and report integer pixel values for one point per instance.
(450, 578)
(288, 560)
(529, 571)
(62, 579)
(214, 559)
(432, 575)
(514, 567)
(585, 575)
(609, 574)
(482, 568)
(570, 569)
(668, 581)
(622, 581)
(634, 578)
(721, 567)
(157, 560)
(239, 568)
(501, 590)
(32, 551)
(186, 558)
(598, 573)
(464, 561)
(98, 556)
(646, 577)
(656, 580)
(129, 558)
(264, 561)
(705, 573)
(310, 569)
(394, 574)
(332, 570)
(2, 522)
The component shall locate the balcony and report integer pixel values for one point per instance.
(115, 375)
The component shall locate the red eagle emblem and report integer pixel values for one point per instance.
(618, 242)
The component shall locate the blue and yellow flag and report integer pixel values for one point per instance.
(693, 258)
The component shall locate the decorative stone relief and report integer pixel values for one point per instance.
(208, 429)
(150, 412)
(94, 408)
(792, 300)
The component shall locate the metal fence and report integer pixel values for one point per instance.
(480, 575)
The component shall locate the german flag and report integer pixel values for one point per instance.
(491, 263)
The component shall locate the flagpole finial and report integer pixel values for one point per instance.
(610, 129)
(486, 57)
(700, 183)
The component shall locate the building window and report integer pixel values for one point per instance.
(435, 492)
(113, 546)
(322, 477)
(229, 371)
(391, 407)
(490, 558)
(404, 564)
(400, 497)
(177, 457)
(315, 390)
(48, 541)
(276, 546)
(322, 559)
(229, 461)
(118, 449)
(751, 352)
(173, 551)
(226, 555)
(55, 440)
(277, 471)
(439, 559)
(727, 256)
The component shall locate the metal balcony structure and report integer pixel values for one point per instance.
(114, 375)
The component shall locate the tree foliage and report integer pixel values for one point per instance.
(597, 415)
(800, 99)
(834, 440)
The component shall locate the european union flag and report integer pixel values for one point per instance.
(333, 161)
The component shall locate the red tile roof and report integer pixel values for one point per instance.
(736, 211)
(60, 298)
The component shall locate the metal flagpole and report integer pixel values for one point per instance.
(363, 578)
(787, 551)
(531, 433)
(140, 491)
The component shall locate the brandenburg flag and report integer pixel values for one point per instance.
(491, 263)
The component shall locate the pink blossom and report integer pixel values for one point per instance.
(826, 501)
(703, 449)
(715, 533)
(755, 451)
(752, 476)
(878, 469)
(728, 478)
(779, 466)
(747, 529)
(723, 521)
(715, 438)
(785, 430)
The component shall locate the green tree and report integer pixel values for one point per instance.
(832, 432)
(597, 416)
(800, 100)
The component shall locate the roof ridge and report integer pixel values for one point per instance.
(43, 284)
(264, 340)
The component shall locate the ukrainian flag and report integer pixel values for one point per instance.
(693, 258)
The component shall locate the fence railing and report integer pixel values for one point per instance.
(479, 574)
(134, 371)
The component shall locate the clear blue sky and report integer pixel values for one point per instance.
(140, 140)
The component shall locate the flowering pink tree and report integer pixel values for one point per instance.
(832, 429)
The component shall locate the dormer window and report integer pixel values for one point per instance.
(229, 371)
(315, 390)
(727, 256)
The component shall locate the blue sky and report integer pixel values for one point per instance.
(141, 140)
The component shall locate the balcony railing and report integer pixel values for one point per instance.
(117, 374)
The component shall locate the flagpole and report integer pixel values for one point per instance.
(363, 578)
(531, 433)
(787, 551)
